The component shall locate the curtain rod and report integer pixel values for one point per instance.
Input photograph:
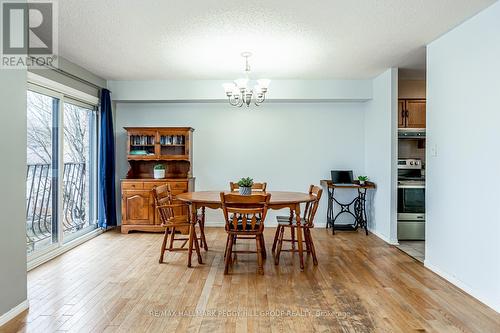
(74, 77)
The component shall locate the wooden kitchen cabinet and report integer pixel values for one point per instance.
(411, 113)
(401, 113)
(415, 116)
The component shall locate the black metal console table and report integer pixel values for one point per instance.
(356, 208)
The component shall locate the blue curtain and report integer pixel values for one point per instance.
(107, 203)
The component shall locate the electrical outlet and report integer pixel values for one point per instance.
(434, 150)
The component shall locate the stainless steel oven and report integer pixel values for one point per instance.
(411, 200)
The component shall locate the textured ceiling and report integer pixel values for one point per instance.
(290, 39)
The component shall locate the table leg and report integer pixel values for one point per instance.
(190, 245)
(351, 208)
(331, 218)
(203, 240)
(362, 208)
(197, 246)
(299, 236)
(328, 216)
(191, 232)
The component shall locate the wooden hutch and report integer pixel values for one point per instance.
(147, 147)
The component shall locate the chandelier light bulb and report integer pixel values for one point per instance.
(239, 93)
(241, 83)
(264, 83)
(228, 88)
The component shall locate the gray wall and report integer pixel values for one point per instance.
(12, 189)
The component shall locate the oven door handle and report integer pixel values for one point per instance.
(411, 186)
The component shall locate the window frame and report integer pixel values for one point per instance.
(65, 94)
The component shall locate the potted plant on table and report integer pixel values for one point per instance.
(245, 186)
(159, 171)
(362, 180)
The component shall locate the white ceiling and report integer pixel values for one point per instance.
(290, 39)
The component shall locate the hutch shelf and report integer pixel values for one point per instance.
(147, 147)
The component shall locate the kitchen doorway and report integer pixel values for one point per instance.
(411, 164)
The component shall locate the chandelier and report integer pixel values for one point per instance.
(239, 93)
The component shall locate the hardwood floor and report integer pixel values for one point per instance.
(114, 283)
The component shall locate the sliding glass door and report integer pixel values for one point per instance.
(42, 171)
(79, 173)
(61, 172)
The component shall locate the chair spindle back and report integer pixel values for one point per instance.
(163, 196)
(255, 187)
(311, 207)
(245, 213)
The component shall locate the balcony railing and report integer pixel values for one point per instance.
(40, 213)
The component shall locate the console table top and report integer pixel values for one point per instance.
(329, 183)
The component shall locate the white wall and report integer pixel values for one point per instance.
(12, 191)
(463, 210)
(211, 90)
(381, 154)
(289, 145)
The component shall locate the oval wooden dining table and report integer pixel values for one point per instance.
(279, 200)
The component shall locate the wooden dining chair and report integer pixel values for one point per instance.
(241, 213)
(306, 224)
(256, 187)
(167, 208)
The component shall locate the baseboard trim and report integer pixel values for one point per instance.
(382, 237)
(215, 224)
(267, 224)
(12, 313)
(463, 286)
